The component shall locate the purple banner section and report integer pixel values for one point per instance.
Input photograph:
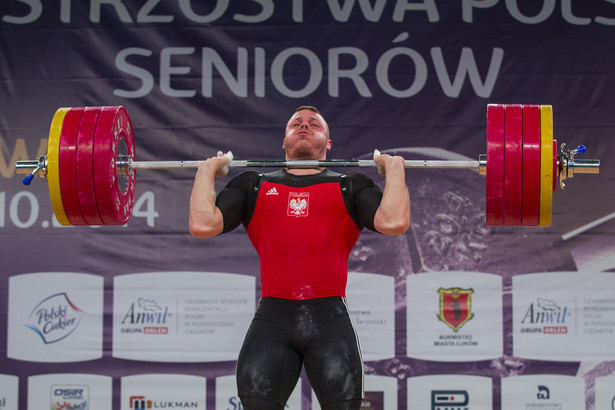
(407, 77)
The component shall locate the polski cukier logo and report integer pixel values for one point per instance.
(55, 318)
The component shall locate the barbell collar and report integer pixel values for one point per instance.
(568, 165)
(482, 164)
(27, 166)
(584, 166)
(32, 167)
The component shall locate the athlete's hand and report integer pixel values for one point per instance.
(384, 161)
(220, 163)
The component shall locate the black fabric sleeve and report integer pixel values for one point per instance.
(235, 201)
(364, 199)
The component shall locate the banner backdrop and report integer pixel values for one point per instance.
(451, 315)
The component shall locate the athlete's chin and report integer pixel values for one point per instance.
(305, 152)
(302, 155)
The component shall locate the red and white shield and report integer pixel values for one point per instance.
(455, 307)
(298, 204)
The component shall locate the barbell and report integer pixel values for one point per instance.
(91, 167)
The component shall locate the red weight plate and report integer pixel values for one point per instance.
(53, 166)
(495, 165)
(67, 166)
(513, 164)
(555, 167)
(531, 165)
(114, 193)
(85, 165)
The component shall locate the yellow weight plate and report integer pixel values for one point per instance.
(53, 167)
(546, 165)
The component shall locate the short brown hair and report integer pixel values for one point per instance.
(308, 107)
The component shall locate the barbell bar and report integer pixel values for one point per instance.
(91, 167)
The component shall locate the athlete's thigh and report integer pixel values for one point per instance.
(267, 367)
(333, 364)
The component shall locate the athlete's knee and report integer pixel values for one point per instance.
(252, 403)
(336, 382)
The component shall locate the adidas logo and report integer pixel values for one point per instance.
(272, 191)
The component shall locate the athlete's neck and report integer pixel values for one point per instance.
(304, 171)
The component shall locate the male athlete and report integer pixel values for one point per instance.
(303, 224)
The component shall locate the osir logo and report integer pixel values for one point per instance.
(64, 397)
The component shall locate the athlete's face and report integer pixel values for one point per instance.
(307, 137)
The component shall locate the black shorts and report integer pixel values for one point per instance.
(286, 334)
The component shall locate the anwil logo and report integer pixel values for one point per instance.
(547, 316)
(55, 318)
(148, 313)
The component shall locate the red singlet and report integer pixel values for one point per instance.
(303, 227)
(303, 237)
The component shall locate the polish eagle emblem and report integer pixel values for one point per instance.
(298, 204)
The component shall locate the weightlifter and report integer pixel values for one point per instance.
(303, 224)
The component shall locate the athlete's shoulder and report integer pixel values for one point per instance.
(245, 178)
(359, 180)
(358, 176)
